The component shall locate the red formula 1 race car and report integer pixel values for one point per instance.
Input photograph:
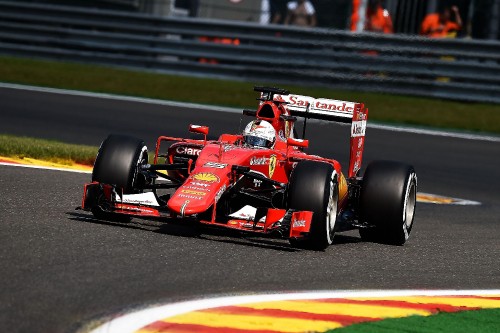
(260, 181)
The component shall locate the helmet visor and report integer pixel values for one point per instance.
(256, 141)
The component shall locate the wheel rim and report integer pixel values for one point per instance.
(409, 205)
(331, 212)
(143, 159)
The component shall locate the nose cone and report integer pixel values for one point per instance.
(197, 194)
(188, 204)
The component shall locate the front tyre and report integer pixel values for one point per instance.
(118, 162)
(387, 202)
(313, 187)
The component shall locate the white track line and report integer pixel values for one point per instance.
(119, 97)
(405, 129)
(134, 321)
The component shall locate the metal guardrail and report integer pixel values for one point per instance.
(465, 70)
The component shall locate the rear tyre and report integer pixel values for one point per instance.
(313, 187)
(387, 202)
(118, 162)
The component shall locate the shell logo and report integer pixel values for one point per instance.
(206, 177)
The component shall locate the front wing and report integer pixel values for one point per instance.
(286, 223)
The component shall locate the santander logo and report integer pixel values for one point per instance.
(320, 104)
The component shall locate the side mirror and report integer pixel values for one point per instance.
(297, 143)
(198, 129)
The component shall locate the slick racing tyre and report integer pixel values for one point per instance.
(118, 160)
(387, 202)
(313, 187)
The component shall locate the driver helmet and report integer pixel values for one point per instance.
(259, 134)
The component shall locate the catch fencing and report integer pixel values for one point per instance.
(464, 70)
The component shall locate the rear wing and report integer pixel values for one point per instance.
(332, 110)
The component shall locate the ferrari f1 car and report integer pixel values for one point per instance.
(260, 181)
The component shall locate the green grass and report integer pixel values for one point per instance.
(383, 108)
(480, 321)
(47, 150)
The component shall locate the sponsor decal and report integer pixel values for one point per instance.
(259, 160)
(287, 129)
(282, 135)
(272, 165)
(356, 167)
(334, 107)
(147, 198)
(323, 105)
(361, 116)
(227, 148)
(196, 188)
(139, 202)
(320, 106)
(199, 184)
(358, 128)
(200, 193)
(220, 193)
(294, 100)
(186, 196)
(206, 177)
(138, 209)
(215, 165)
(299, 223)
(188, 151)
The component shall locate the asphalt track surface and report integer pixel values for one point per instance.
(60, 268)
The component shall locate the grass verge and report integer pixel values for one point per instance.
(479, 321)
(384, 108)
(47, 150)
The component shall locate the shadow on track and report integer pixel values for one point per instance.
(192, 230)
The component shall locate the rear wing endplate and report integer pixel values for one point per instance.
(332, 110)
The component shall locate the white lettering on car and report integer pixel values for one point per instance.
(200, 184)
(358, 128)
(215, 165)
(259, 160)
(188, 151)
(299, 223)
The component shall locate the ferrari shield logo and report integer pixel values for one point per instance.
(272, 165)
